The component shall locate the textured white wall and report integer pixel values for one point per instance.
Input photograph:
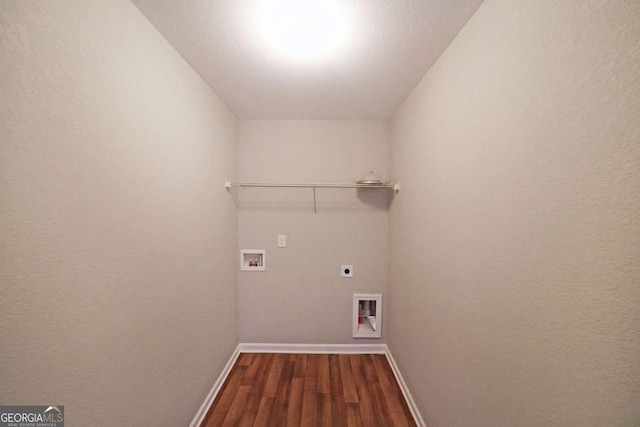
(117, 240)
(514, 254)
(300, 298)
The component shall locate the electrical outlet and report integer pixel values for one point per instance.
(282, 240)
(346, 271)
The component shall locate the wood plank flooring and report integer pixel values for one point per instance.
(266, 389)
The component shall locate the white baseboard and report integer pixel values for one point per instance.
(417, 417)
(308, 349)
(313, 348)
(204, 408)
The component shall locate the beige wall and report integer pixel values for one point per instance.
(514, 242)
(117, 240)
(300, 298)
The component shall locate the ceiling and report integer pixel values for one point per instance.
(389, 46)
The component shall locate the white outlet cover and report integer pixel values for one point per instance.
(346, 271)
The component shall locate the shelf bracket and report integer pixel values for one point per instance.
(315, 210)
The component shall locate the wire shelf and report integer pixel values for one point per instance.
(229, 184)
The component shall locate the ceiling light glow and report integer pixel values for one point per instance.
(302, 29)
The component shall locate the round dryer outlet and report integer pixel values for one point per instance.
(346, 271)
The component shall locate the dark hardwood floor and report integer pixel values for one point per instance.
(310, 389)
